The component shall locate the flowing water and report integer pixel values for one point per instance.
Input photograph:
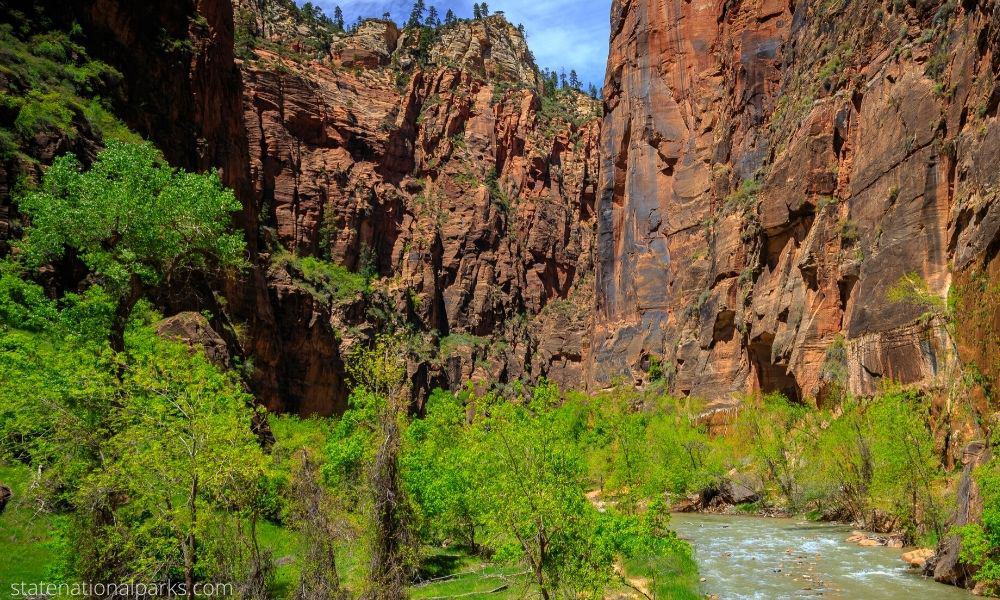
(757, 557)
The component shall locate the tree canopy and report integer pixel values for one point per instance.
(133, 220)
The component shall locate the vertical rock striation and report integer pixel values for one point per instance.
(438, 166)
(787, 190)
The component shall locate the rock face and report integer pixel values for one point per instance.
(946, 565)
(788, 189)
(442, 171)
(781, 196)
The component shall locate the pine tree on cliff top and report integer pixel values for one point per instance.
(450, 18)
(433, 21)
(477, 13)
(574, 80)
(338, 18)
(417, 14)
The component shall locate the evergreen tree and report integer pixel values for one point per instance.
(520, 29)
(563, 83)
(593, 91)
(338, 18)
(574, 80)
(477, 13)
(449, 18)
(417, 14)
(433, 21)
(387, 16)
(484, 9)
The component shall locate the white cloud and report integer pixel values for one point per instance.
(569, 34)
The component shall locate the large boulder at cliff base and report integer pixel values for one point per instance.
(194, 330)
(946, 565)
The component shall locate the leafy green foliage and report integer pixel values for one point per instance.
(131, 216)
(981, 540)
(440, 466)
(743, 197)
(328, 281)
(764, 430)
(48, 83)
(181, 450)
(450, 344)
(872, 462)
(512, 480)
(134, 222)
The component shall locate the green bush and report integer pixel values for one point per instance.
(981, 540)
(328, 281)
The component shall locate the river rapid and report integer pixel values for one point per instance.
(770, 558)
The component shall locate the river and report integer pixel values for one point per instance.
(770, 558)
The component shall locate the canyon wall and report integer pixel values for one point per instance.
(788, 191)
(794, 197)
(437, 166)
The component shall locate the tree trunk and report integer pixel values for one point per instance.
(122, 313)
(539, 573)
(190, 550)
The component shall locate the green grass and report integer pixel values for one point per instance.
(453, 572)
(24, 552)
(673, 577)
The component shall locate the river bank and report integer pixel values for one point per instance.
(742, 556)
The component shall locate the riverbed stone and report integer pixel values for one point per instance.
(917, 557)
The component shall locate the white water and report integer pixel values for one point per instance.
(743, 557)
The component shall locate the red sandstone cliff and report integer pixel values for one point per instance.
(789, 190)
(447, 173)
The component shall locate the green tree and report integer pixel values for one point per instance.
(981, 540)
(877, 462)
(313, 514)
(433, 21)
(440, 463)
(574, 80)
(381, 393)
(417, 14)
(533, 481)
(134, 221)
(182, 452)
(338, 18)
(768, 430)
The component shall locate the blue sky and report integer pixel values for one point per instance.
(570, 34)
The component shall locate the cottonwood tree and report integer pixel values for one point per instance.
(313, 514)
(183, 453)
(533, 480)
(441, 460)
(134, 221)
(380, 390)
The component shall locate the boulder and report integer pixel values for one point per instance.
(918, 557)
(739, 489)
(946, 564)
(5, 496)
(194, 330)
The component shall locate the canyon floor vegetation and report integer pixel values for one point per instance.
(135, 458)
